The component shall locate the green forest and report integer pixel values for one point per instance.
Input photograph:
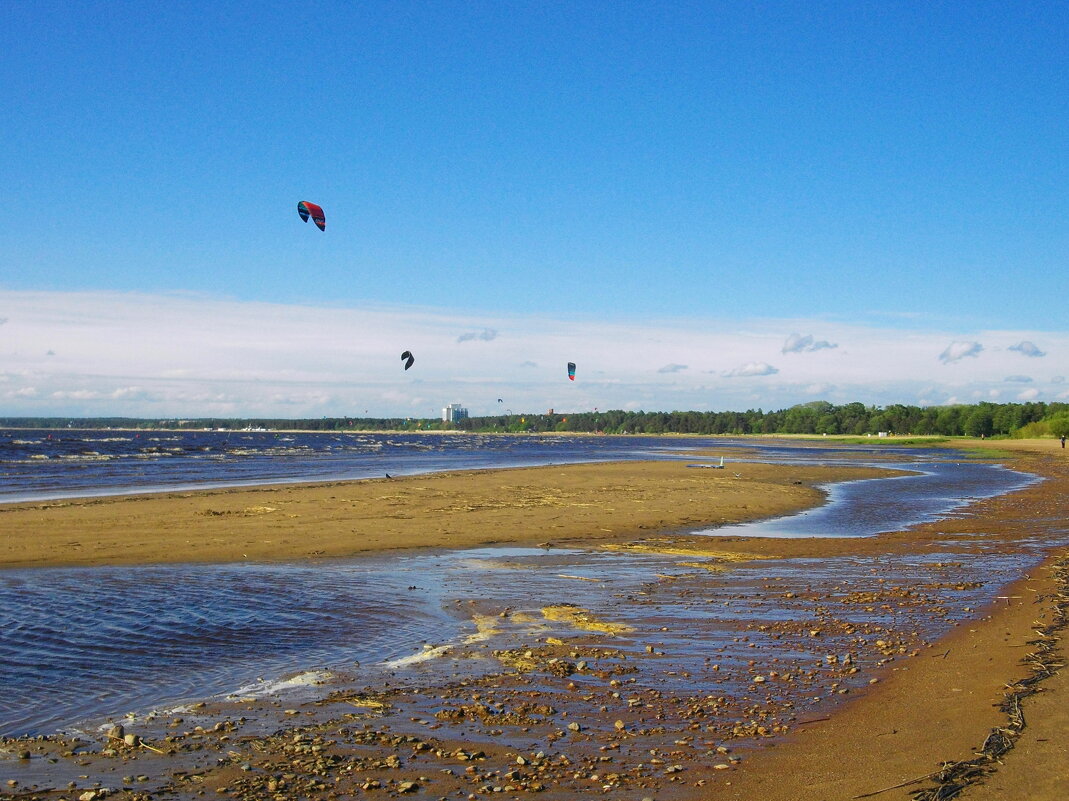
(818, 417)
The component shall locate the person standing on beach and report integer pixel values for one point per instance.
(1063, 440)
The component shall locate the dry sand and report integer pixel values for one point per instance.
(937, 707)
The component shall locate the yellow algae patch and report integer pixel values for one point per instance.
(485, 628)
(581, 618)
(554, 641)
(710, 566)
(522, 661)
(578, 578)
(367, 703)
(682, 550)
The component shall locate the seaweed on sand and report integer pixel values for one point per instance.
(1044, 663)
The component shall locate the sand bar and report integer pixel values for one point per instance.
(447, 510)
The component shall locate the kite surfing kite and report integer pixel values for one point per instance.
(571, 371)
(408, 358)
(307, 209)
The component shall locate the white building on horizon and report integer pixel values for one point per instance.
(453, 413)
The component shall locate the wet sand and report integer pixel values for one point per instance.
(927, 703)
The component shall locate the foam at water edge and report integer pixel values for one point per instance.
(428, 653)
(262, 688)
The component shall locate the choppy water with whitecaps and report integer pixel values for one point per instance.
(82, 644)
(47, 464)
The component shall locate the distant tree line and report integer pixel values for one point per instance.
(818, 417)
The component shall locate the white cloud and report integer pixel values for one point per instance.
(1058, 379)
(486, 335)
(956, 351)
(796, 343)
(195, 356)
(1026, 348)
(1019, 379)
(751, 369)
(1028, 394)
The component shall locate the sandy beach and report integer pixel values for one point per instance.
(569, 503)
(923, 705)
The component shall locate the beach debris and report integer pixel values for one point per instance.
(1044, 663)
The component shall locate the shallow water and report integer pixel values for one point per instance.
(49, 464)
(873, 506)
(41, 465)
(81, 644)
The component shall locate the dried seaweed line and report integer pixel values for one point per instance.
(1044, 663)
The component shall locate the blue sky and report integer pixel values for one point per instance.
(664, 193)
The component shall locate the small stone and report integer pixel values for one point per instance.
(722, 766)
(132, 740)
(407, 787)
(620, 725)
(116, 732)
(575, 727)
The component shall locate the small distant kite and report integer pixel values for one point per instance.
(571, 371)
(307, 209)
(408, 358)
